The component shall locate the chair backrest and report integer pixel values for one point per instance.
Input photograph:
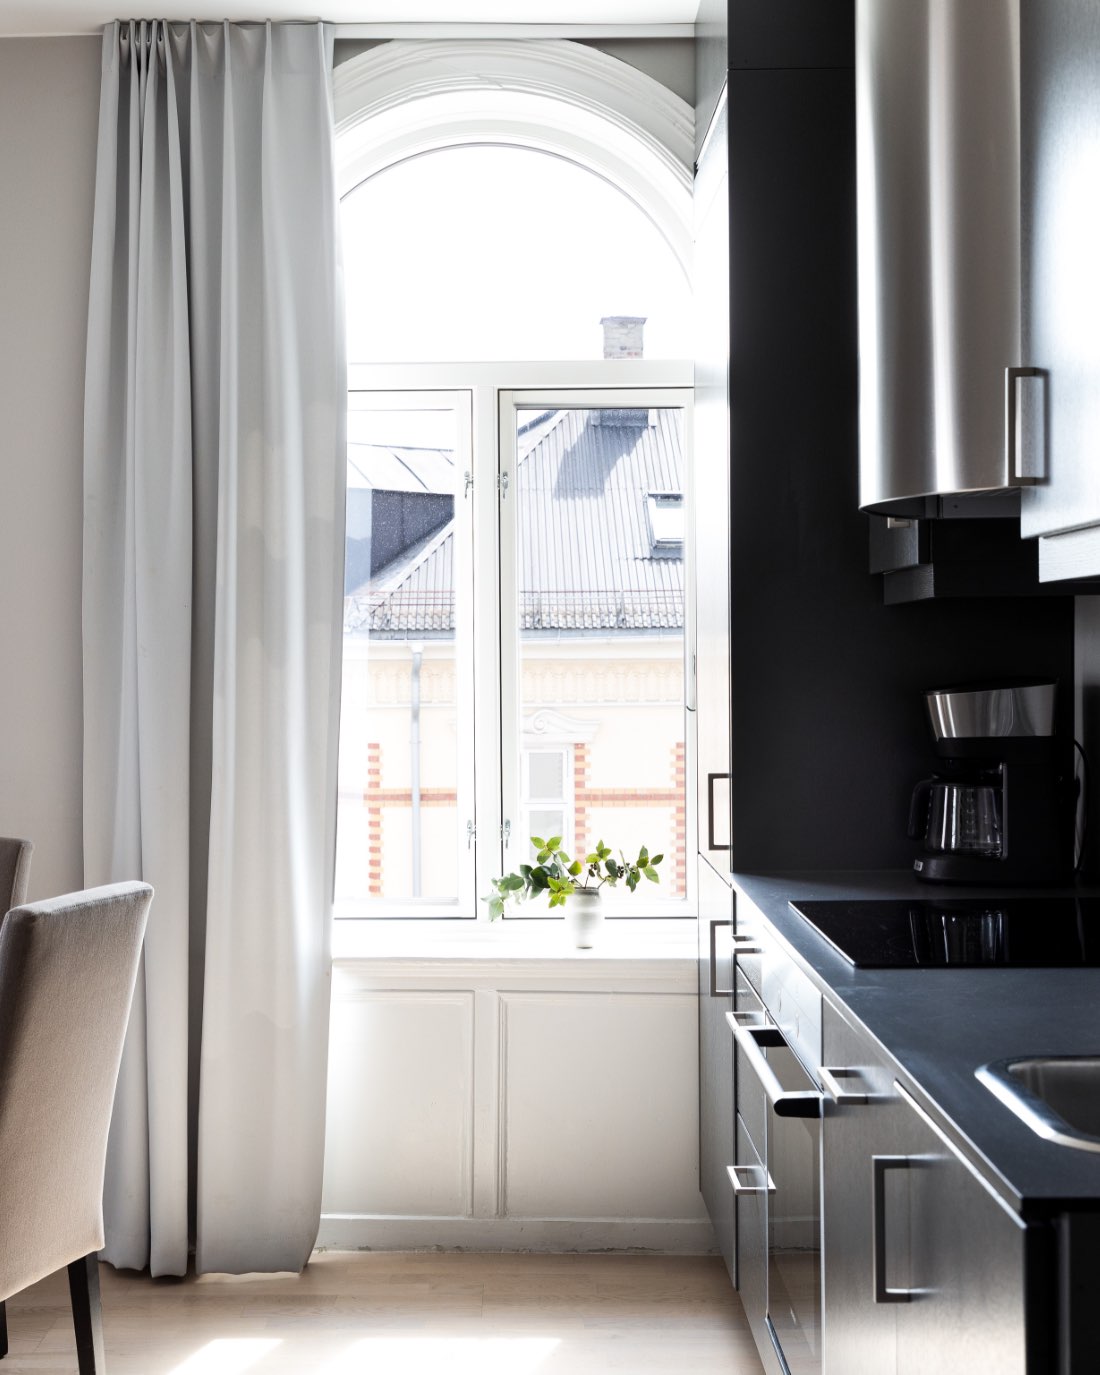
(15, 870)
(67, 973)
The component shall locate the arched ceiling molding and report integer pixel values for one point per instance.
(405, 98)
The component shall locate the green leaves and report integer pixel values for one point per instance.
(559, 876)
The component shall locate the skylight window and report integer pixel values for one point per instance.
(665, 512)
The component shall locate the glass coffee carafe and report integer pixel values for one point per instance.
(959, 816)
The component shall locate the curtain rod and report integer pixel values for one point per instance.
(440, 31)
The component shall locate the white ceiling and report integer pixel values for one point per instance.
(89, 16)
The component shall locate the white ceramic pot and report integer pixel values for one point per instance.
(584, 918)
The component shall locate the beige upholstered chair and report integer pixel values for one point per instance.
(15, 868)
(67, 973)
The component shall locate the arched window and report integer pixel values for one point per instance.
(513, 213)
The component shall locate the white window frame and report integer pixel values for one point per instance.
(494, 389)
(646, 902)
(404, 98)
(457, 400)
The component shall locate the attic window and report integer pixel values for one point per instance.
(665, 512)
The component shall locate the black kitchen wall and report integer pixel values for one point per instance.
(827, 721)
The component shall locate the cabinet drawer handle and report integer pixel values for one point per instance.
(738, 1188)
(830, 1077)
(880, 1164)
(785, 1102)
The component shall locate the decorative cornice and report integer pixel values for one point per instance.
(553, 727)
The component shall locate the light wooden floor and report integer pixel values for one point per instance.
(406, 1314)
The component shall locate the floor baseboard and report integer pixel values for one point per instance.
(663, 1236)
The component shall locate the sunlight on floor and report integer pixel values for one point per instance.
(226, 1356)
(430, 1355)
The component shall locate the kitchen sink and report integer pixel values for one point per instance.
(1058, 1096)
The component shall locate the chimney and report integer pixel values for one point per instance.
(622, 335)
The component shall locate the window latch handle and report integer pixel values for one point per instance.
(471, 831)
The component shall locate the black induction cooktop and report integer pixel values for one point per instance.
(966, 933)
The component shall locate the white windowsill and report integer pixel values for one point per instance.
(621, 939)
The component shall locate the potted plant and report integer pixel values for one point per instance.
(572, 883)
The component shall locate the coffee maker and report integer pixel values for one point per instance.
(1001, 807)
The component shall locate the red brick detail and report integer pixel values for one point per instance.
(679, 835)
(580, 799)
(586, 797)
(374, 820)
(402, 797)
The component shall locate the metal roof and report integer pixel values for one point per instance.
(400, 469)
(588, 558)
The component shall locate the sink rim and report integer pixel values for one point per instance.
(1034, 1111)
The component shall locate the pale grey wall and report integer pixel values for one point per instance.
(671, 61)
(49, 101)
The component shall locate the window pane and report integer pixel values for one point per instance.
(399, 826)
(545, 775)
(600, 613)
(546, 824)
(505, 253)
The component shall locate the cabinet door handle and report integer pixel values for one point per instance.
(738, 1188)
(712, 844)
(715, 991)
(880, 1164)
(1025, 425)
(830, 1076)
(785, 1102)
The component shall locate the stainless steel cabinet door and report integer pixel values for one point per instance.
(752, 1238)
(966, 1312)
(924, 1266)
(860, 1335)
(716, 1057)
(1060, 152)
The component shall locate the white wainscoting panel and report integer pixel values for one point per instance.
(509, 1103)
(599, 1105)
(400, 1114)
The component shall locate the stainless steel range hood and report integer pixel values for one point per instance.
(938, 133)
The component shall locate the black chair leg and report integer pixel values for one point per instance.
(3, 1330)
(87, 1315)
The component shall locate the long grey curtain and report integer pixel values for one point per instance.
(213, 532)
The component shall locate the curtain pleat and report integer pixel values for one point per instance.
(214, 419)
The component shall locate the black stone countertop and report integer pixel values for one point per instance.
(940, 1025)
